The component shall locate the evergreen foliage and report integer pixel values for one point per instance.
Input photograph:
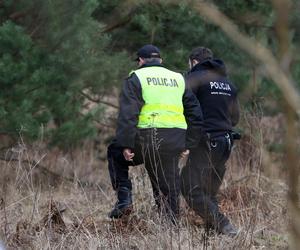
(50, 52)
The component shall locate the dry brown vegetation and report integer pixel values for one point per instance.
(54, 200)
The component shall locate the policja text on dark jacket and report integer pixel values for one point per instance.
(216, 94)
(201, 178)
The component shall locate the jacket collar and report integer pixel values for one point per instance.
(214, 65)
(151, 65)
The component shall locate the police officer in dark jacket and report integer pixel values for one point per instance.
(202, 176)
(159, 120)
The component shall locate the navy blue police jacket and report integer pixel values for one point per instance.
(217, 96)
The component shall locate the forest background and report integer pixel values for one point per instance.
(62, 64)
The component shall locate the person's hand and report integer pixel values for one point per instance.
(128, 154)
(185, 153)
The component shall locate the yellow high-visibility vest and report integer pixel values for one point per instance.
(162, 91)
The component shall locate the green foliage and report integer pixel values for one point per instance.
(44, 68)
(23, 76)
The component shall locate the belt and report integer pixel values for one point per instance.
(213, 142)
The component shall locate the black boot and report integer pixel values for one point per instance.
(124, 204)
(228, 229)
(221, 225)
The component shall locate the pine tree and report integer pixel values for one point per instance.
(50, 53)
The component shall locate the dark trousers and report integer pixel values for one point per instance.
(202, 177)
(161, 166)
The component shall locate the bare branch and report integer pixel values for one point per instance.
(117, 24)
(47, 171)
(282, 31)
(19, 14)
(121, 16)
(98, 100)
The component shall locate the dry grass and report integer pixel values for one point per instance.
(51, 200)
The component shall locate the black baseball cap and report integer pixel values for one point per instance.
(148, 51)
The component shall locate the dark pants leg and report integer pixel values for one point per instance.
(162, 169)
(202, 178)
(163, 172)
(118, 167)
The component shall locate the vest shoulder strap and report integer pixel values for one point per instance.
(131, 72)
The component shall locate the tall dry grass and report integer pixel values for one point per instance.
(53, 200)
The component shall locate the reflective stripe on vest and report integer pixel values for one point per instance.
(162, 91)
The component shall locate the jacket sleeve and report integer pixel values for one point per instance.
(194, 119)
(130, 103)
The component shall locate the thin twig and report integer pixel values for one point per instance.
(98, 100)
(46, 171)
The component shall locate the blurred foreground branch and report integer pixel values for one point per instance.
(282, 9)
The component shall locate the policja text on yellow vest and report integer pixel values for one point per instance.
(162, 92)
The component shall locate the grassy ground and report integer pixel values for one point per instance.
(52, 200)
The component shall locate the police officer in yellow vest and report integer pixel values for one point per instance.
(159, 120)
